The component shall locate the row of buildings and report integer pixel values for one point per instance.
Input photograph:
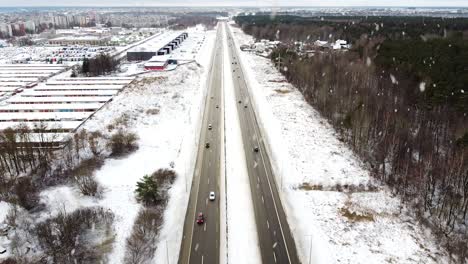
(8, 30)
(59, 106)
(21, 28)
(15, 78)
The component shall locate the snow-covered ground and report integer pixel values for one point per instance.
(240, 212)
(363, 223)
(7, 54)
(164, 109)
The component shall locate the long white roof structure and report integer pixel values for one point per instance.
(46, 100)
(55, 93)
(38, 116)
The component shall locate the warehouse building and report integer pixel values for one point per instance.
(162, 45)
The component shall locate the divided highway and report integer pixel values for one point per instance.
(274, 235)
(201, 242)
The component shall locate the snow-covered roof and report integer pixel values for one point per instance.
(157, 43)
(19, 74)
(28, 70)
(32, 65)
(83, 99)
(341, 42)
(50, 106)
(69, 125)
(94, 78)
(44, 116)
(9, 84)
(33, 93)
(155, 64)
(9, 89)
(320, 43)
(79, 87)
(88, 82)
(17, 79)
(159, 58)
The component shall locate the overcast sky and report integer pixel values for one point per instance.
(233, 3)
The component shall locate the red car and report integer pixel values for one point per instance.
(200, 218)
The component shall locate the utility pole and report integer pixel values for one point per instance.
(310, 249)
(167, 253)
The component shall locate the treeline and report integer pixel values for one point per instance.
(399, 100)
(31, 162)
(191, 20)
(100, 65)
(289, 28)
(412, 140)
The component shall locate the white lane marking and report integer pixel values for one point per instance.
(202, 259)
(274, 256)
(196, 247)
(275, 244)
(208, 181)
(268, 224)
(204, 227)
(206, 201)
(263, 201)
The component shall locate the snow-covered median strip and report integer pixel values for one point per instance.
(330, 198)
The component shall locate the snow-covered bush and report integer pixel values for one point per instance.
(122, 143)
(141, 245)
(83, 236)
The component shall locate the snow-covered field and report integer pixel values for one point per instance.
(164, 110)
(329, 196)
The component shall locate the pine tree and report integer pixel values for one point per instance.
(85, 66)
(147, 190)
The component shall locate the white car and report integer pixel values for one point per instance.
(210, 126)
(212, 196)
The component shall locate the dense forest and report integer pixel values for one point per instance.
(295, 28)
(399, 98)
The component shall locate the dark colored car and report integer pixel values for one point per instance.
(200, 218)
(256, 149)
(207, 145)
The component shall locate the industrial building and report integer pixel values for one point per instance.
(161, 45)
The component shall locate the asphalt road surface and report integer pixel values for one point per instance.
(201, 242)
(274, 235)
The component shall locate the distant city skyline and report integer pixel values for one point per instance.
(253, 3)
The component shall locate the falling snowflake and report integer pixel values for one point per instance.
(394, 80)
(368, 62)
(422, 86)
(462, 91)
